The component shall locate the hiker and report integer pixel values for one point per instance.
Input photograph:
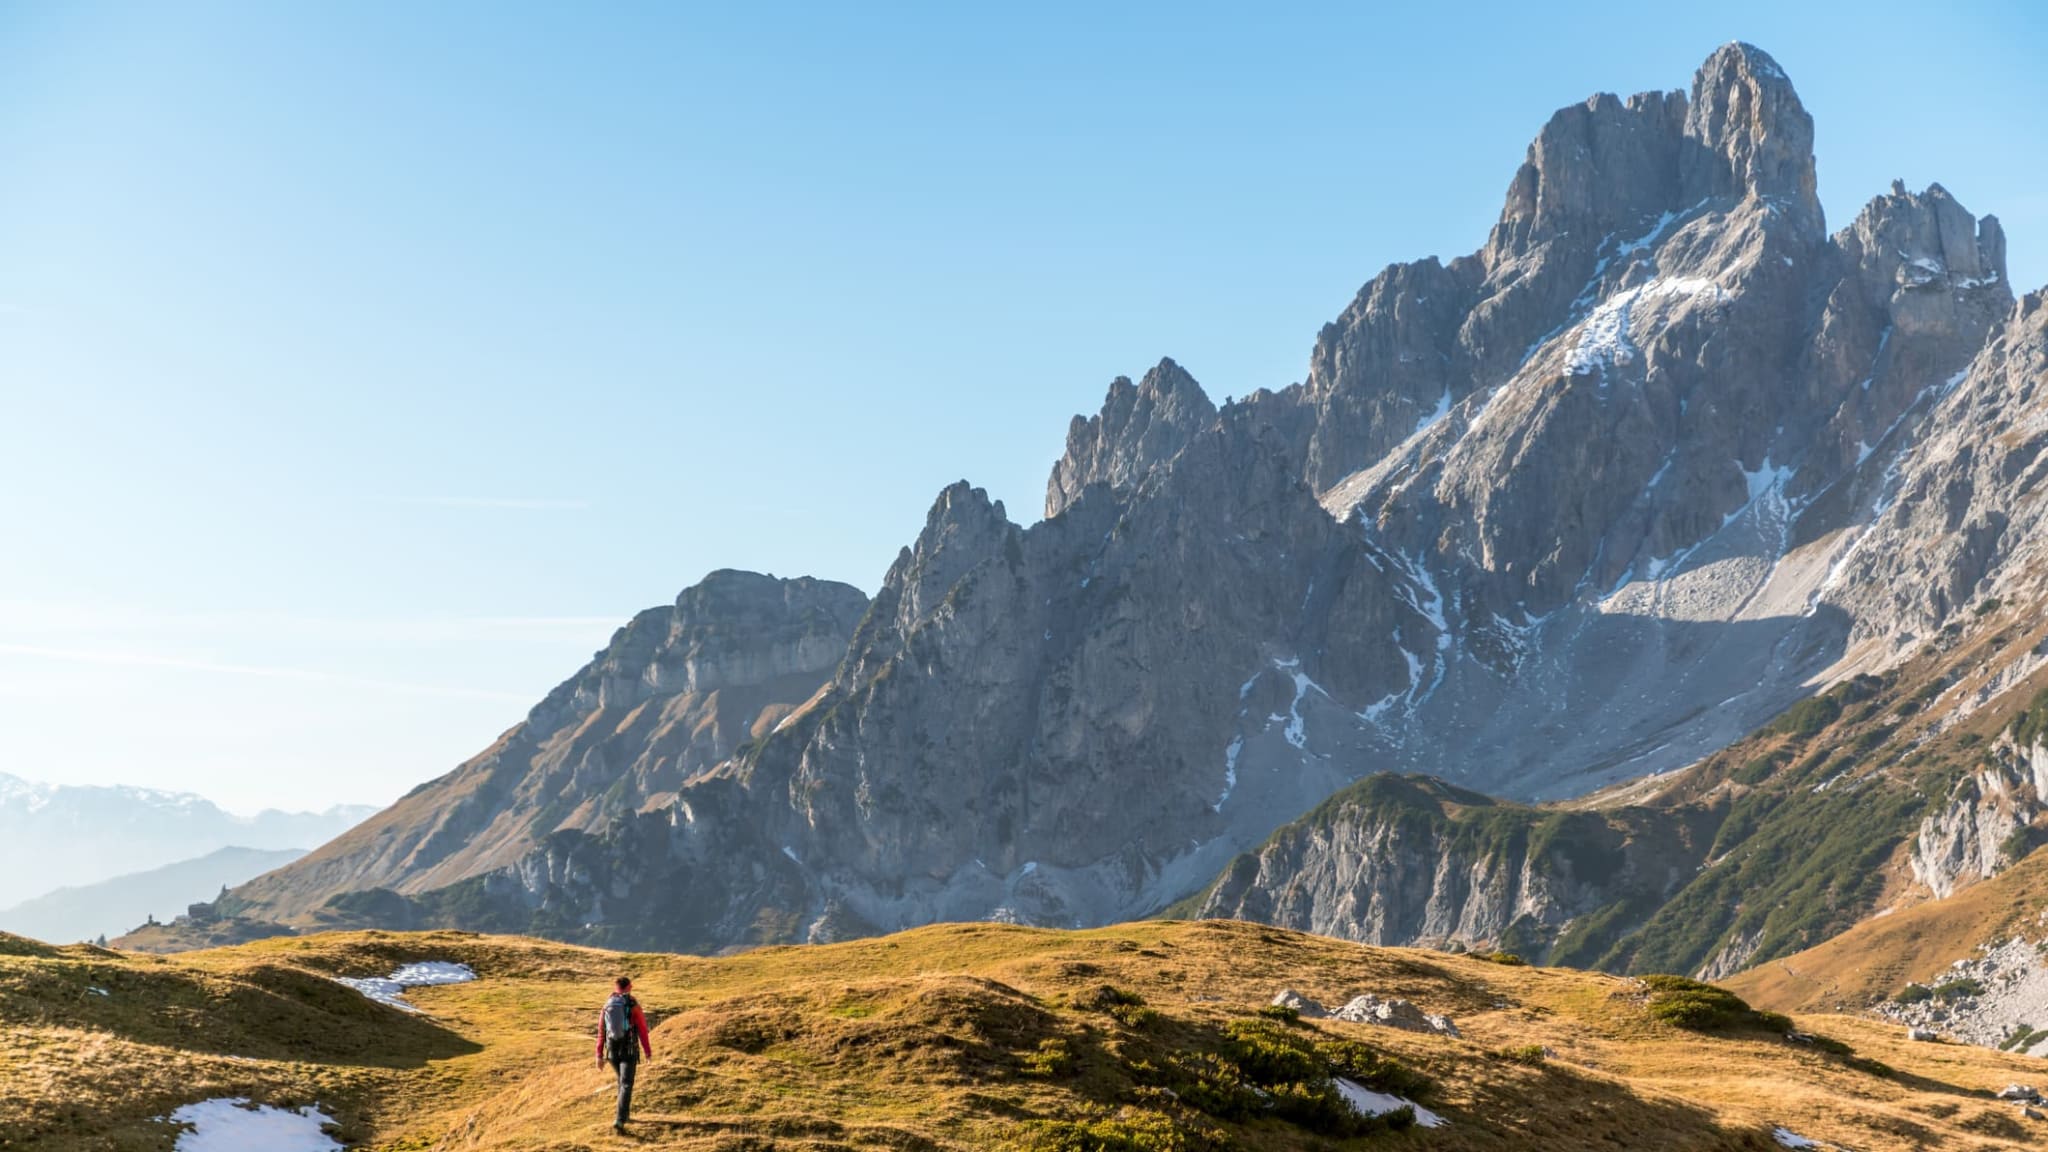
(621, 1039)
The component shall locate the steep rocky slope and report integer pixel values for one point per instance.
(676, 692)
(1588, 504)
(1884, 793)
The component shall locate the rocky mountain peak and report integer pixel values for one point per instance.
(730, 629)
(1140, 427)
(1595, 167)
(961, 531)
(1748, 135)
(1608, 163)
(1660, 195)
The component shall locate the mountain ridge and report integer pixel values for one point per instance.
(132, 829)
(1661, 442)
(113, 906)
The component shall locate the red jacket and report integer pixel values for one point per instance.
(639, 1026)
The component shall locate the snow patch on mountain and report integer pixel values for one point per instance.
(1604, 336)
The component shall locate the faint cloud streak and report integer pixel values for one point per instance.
(139, 659)
(511, 503)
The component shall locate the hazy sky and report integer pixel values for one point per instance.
(365, 364)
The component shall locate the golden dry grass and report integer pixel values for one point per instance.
(919, 1041)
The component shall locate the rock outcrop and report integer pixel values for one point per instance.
(1141, 427)
(1409, 860)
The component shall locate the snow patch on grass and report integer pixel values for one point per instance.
(228, 1124)
(1370, 1103)
(391, 989)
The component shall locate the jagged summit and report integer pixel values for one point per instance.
(1747, 134)
(1140, 426)
(1610, 163)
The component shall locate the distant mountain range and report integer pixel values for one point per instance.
(61, 835)
(112, 907)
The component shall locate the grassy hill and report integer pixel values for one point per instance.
(975, 1036)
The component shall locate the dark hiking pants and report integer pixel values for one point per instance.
(625, 1069)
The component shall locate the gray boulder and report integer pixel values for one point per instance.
(1370, 1009)
(1304, 1007)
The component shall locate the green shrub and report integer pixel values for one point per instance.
(1757, 770)
(1130, 1131)
(1270, 1068)
(1531, 1054)
(1809, 716)
(1683, 1002)
(1266, 1057)
(1507, 958)
(1133, 1015)
(1371, 1067)
(1282, 1013)
(1052, 1058)
(1914, 994)
(2031, 726)
(2019, 844)
(1104, 997)
(1322, 1109)
(1957, 989)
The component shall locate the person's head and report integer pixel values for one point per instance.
(624, 983)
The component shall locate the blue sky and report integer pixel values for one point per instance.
(363, 365)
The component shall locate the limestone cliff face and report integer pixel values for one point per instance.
(1985, 822)
(1409, 860)
(1959, 518)
(1033, 722)
(1586, 504)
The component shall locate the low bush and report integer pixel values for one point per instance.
(1683, 1002)
(1133, 1015)
(1531, 1054)
(1960, 988)
(1130, 1132)
(1051, 1058)
(1103, 997)
(2022, 1036)
(1266, 1057)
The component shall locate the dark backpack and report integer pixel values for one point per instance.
(620, 1042)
